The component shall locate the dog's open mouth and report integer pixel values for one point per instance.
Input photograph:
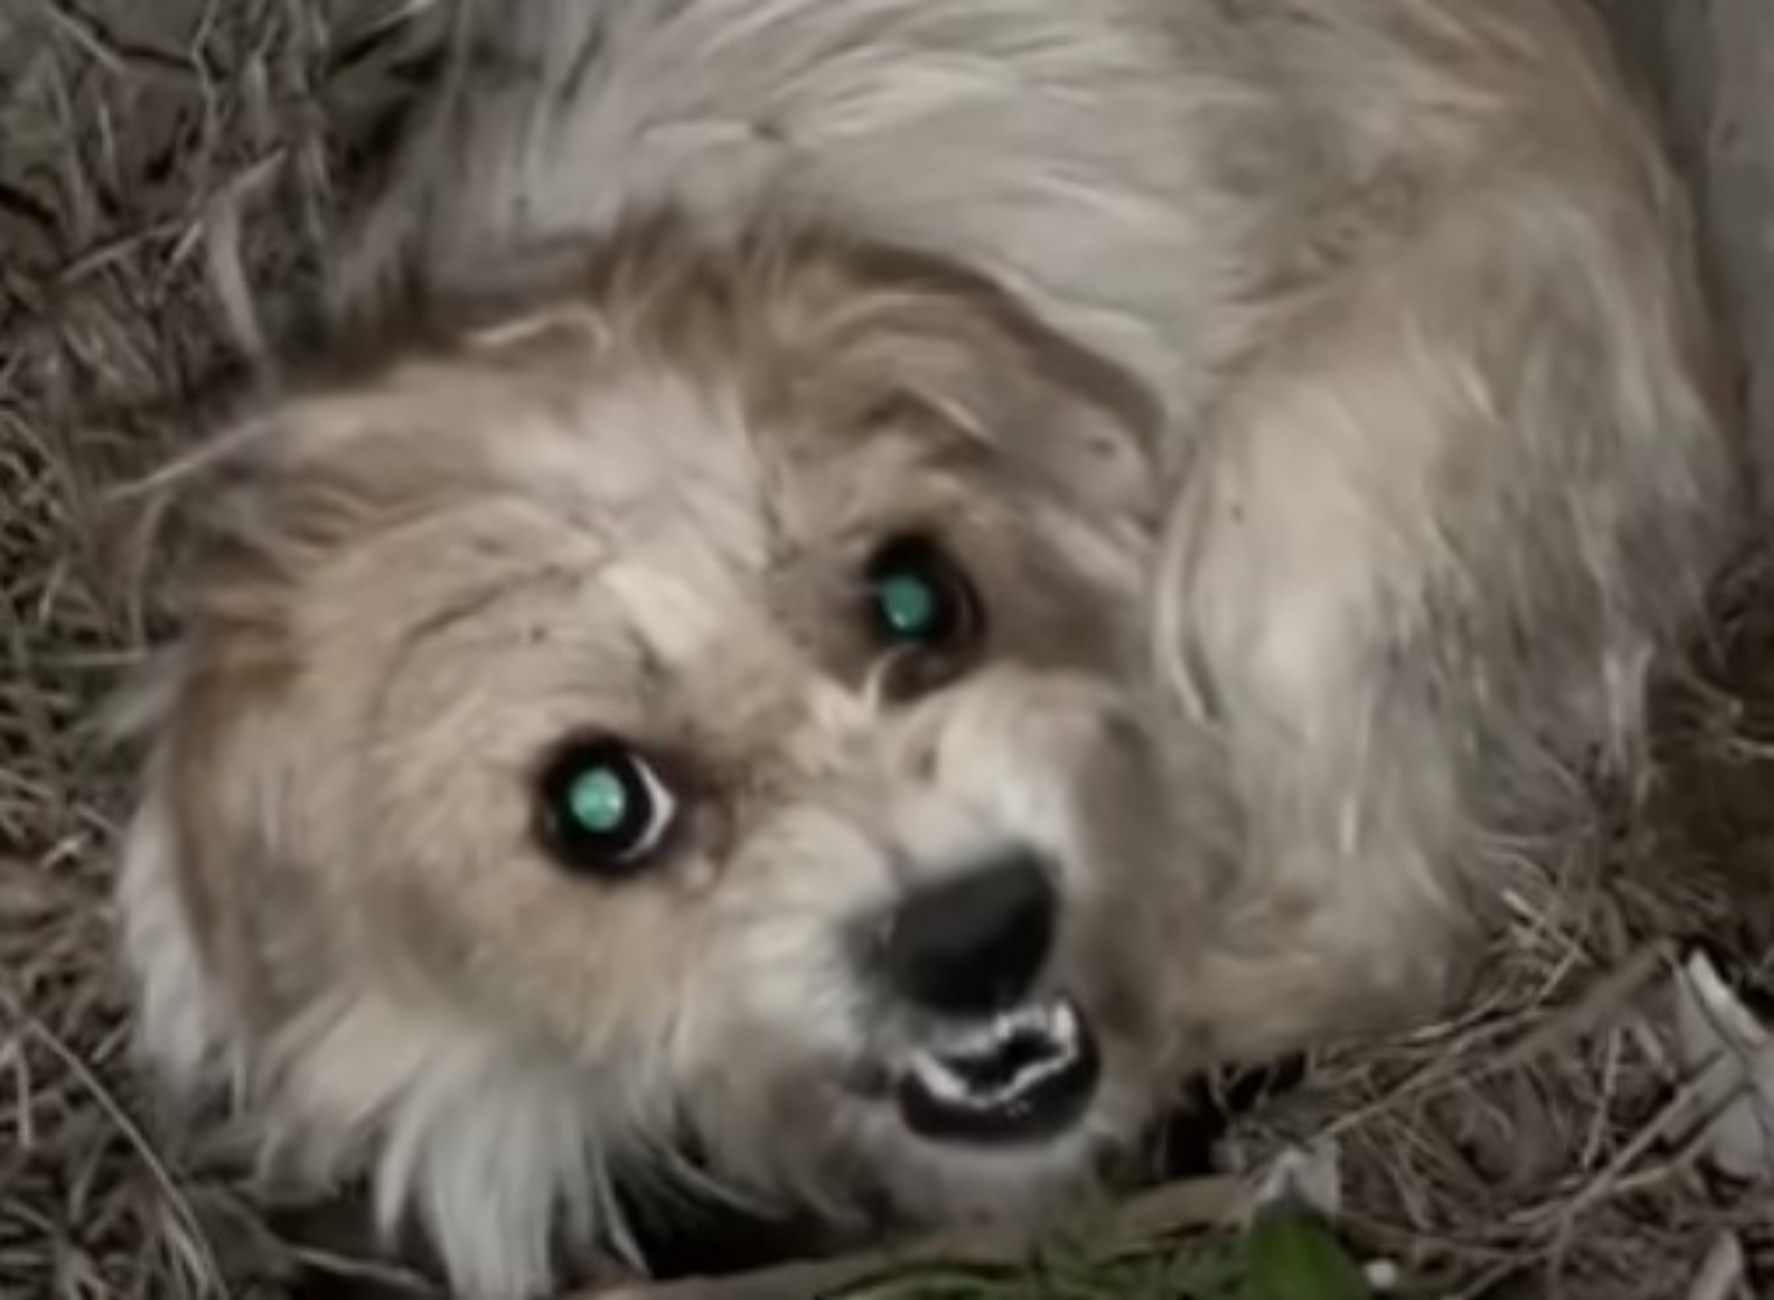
(1022, 1076)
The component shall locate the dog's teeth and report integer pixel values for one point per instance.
(940, 1081)
(1056, 1021)
(977, 1042)
(1031, 1018)
(1062, 1025)
(1009, 1025)
(955, 1073)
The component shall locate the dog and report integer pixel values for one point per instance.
(904, 576)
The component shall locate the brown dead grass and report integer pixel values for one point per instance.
(164, 165)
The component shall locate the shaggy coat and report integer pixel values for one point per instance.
(1311, 403)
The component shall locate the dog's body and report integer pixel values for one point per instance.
(1308, 409)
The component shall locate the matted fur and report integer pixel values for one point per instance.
(1317, 395)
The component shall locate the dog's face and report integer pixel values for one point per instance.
(726, 694)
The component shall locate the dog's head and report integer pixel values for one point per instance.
(714, 705)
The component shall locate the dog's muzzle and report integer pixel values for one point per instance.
(999, 1065)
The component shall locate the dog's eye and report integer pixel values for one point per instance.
(602, 809)
(921, 602)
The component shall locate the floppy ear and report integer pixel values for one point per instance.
(322, 1074)
(212, 917)
(1072, 419)
(835, 330)
(181, 1021)
(1067, 418)
(260, 987)
(205, 906)
(245, 811)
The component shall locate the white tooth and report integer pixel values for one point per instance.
(1063, 1026)
(977, 1042)
(1021, 1020)
(938, 1080)
(1027, 1079)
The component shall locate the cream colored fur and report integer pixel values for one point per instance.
(1318, 391)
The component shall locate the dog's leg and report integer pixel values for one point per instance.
(1444, 524)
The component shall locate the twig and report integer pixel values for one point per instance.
(1174, 1208)
(117, 57)
(202, 1254)
(1598, 1006)
(1608, 1181)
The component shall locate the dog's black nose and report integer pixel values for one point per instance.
(972, 944)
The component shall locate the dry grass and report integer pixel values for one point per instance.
(139, 140)
(161, 158)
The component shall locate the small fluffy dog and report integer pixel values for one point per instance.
(913, 573)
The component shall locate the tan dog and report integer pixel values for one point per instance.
(947, 563)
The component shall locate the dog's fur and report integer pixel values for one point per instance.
(1317, 393)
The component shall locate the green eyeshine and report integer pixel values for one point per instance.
(908, 605)
(599, 800)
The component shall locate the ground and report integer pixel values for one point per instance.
(170, 172)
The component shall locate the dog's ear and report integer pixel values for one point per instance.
(962, 345)
(245, 997)
(186, 910)
(206, 890)
(1066, 417)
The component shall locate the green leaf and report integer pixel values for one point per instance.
(1292, 1253)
